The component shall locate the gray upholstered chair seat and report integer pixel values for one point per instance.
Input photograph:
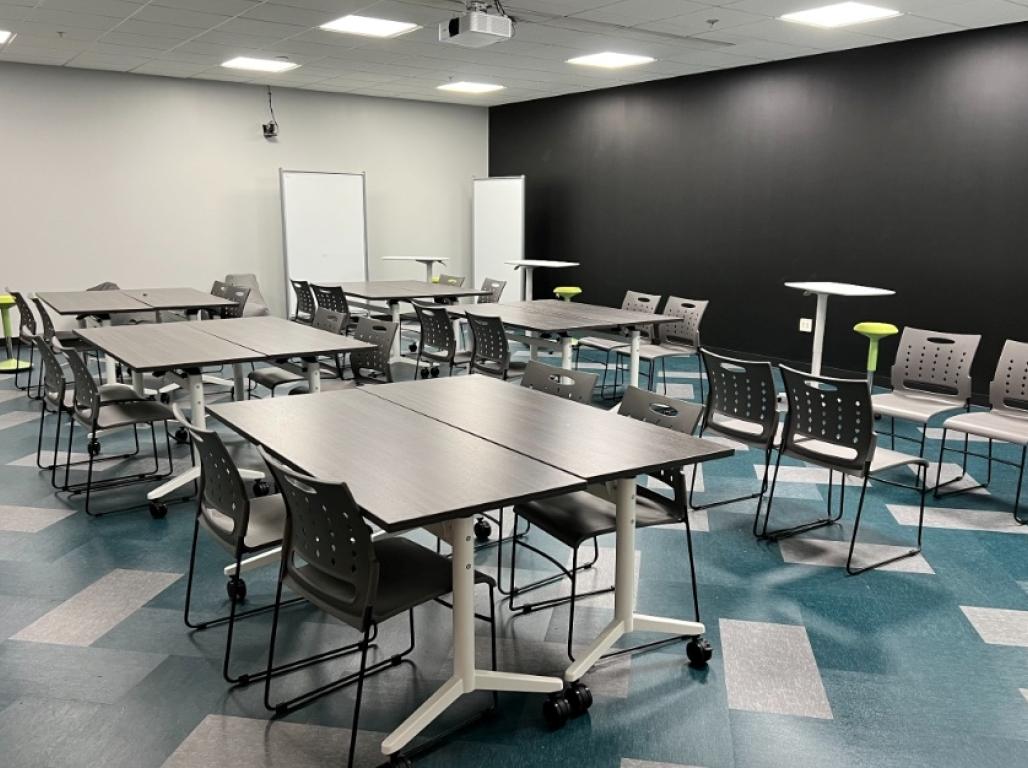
(274, 377)
(995, 426)
(910, 407)
(658, 351)
(123, 413)
(264, 527)
(574, 518)
(109, 393)
(602, 343)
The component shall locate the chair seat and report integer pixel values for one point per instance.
(573, 518)
(658, 351)
(109, 393)
(736, 428)
(274, 377)
(409, 575)
(995, 426)
(911, 407)
(264, 530)
(886, 458)
(125, 413)
(599, 342)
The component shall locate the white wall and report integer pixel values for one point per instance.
(151, 182)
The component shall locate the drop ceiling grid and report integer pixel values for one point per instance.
(190, 39)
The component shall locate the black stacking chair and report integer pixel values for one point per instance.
(361, 582)
(97, 414)
(830, 424)
(27, 329)
(274, 377)
(305, 304)
(438, 341)
(371, 366)
(333, 298)
(237, 293)
(490, 350)
(743, 406)
(576, 518)
(67, 339)
(56, 397)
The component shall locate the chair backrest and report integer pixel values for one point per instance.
(247, 280)
(562, 382)
(54, 382)
(454, 281)
(490, 351)
(642, 302)
(48, 324)
(438, 341)
(661, 410)
(829, 420)
(26, 320)
(380, 333)
(236, 293)
(934, 363)
(326, 533)
(327, 320)
(686, 330)
(223, 500)
(495, 288)
(1008, 393)
(305, 304)
(742, 402)
(331, 297)
(87, 393)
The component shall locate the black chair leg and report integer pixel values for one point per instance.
(923, 476)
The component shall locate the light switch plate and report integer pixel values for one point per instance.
(806, 325)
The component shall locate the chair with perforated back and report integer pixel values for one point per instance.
(495, 288)
(305, 304)
(98, 414)
(372, 366)
(930, 377)
(235, 293)
(330, 558)
(576, 518)
(1006, 420)
(67, 339)
(256, 304)
(830, 424)
(561, 382)
(741, 405)
(273, 377)
(27, 329)
(438, 343)
(678, 339)
(634, 301)
(490, 350)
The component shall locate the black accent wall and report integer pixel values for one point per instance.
(903, 166)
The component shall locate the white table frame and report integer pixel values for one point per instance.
(428, 261)
(528, 267)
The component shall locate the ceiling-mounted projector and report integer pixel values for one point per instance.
(476, 29)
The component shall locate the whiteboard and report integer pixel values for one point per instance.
(324, 228)
(498, 231)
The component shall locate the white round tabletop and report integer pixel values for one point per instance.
(840, 289)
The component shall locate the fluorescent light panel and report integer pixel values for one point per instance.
(5, 36)
(260, 65)
(467, 87)
(840, 15)
(611, 60)
(368, 26)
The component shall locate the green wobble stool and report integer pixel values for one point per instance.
(874, 332)
(567, 292)
(12, 364)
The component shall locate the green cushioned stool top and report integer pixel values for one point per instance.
(876, 330)
(566, 292)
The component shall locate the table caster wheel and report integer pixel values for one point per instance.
(236, 589)
(261, 488)
(579, 698)
(158, 510)
(94, 447)
(699, 652)
(483, 529)
(181, 436)
(423, 373)
(556, 711)
(166, 398)
(435, 372)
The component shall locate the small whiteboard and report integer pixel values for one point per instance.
(324, 228)
(498, 231)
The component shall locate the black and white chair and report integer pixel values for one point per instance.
(830, 424)
(373, 366)
(305, 304)
(490, 348)
(1006, 420)
(634, 301)
(438, 343)
(678, 339)
(27, 330)
(273, 377)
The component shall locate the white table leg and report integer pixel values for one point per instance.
(565, 352)
(526, 283)
(198, 418)
(819, 333)
(466, 678)
(313, 370)
(137, 383)
(110, 367)
(428, 270)
(238, 382)
(394, 354)
(625, 618)
(633, 360)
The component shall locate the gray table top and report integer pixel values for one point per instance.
(404, 290)
(167, 346)
(555, 316)
(177, 298)
(92, 302)
(405, 470)
(275, 337)
(579, 439)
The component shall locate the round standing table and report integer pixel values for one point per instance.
(428, 261)
(529, 265)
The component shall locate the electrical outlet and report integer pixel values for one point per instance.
(806, 325)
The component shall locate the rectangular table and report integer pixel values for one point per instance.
(562, 318)
(354, 436)
(178, 298)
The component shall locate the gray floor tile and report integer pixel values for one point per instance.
(832, 554)
(998, 626)
(30, 519)
(957, 519)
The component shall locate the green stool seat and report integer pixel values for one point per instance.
(874, 333)
(435, 278)
(11, 364)
(567, 292)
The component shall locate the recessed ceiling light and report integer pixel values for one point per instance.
(5, 36)
(465, 87)
(260, 65)
(841, 15)
(369, 26)
(611, 60)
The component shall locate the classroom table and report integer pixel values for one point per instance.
(528, 267)
(823, 290)
(562, 318)
(316, 435)
(392, 292)
(182, 350)
(428, 261)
